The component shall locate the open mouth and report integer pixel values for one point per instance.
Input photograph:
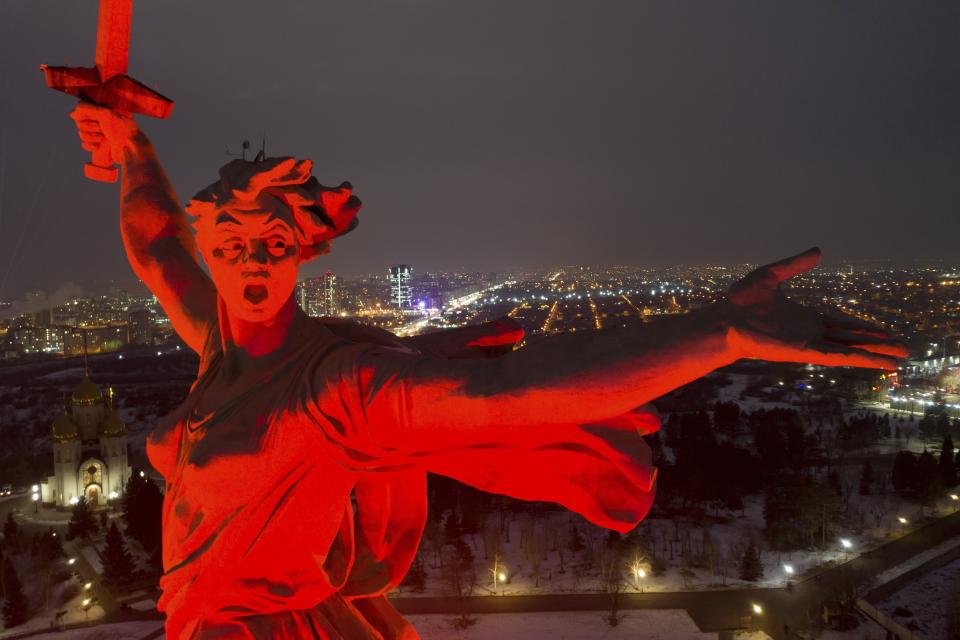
(255, 293)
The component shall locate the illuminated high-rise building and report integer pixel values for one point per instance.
(139, 327)
(400, 294)
(328, 295)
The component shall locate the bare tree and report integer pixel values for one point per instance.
(535, 550)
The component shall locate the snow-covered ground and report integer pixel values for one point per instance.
(118, 631)
(926, 601)
(564, 625)
(917, 560)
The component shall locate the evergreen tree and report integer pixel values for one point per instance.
(416, 577)
(451, 528)
(947, 467)
(15, 602)
(142, 506)
(904, 476)
(51, 548)
(866, 479)
(751, 569)
(928, 476)
(82, 523)
(11, 533)
(117, 565)
(577, 543)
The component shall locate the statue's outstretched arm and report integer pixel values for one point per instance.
(404, 402)
(156, 234)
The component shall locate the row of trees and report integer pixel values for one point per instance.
(36, 554)
(925, 476)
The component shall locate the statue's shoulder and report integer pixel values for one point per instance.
(357, 332)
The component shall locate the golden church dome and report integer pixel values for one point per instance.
(64, 428)
(112, 425)
(87, 392)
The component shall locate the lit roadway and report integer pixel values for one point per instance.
(720, 609)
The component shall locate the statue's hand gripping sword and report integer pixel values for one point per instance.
(107, 83)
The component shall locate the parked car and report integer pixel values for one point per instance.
(6, 490)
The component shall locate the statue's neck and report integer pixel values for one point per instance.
(244, 341)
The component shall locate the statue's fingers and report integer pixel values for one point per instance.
(794, 265)
(753, 287)
(855, 325)
(90, 136)
(88, 125)
(868, 342)
(90, 146)
(87, 111)
(835, 355)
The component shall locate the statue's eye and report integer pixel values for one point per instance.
(231, 249)
(276, 247)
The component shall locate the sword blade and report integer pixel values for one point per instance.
(113, 37)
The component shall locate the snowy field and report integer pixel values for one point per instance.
(567, 625)
(119, 631)
(926, 601)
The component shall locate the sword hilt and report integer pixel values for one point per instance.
(120, 93)
(101, 167)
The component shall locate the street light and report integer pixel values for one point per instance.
(71, 561)
(845, 543)
(788, 569)
(757, 609)
(88, 586)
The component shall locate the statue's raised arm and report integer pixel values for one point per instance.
(156, 233)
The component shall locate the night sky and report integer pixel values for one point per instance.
(487, 134)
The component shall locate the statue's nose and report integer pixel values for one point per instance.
(256, 252)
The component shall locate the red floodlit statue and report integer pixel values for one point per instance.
(290, 416)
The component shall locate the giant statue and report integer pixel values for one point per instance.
(296, 468)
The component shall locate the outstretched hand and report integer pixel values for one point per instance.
(767, 326)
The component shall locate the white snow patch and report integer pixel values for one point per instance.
(118, 631)
(917, 560)
(563, 625)
(928, 599)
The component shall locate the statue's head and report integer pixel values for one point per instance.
(259, 222)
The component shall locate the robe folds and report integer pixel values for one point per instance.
(292, 509)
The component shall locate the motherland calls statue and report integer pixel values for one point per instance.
(291, 415)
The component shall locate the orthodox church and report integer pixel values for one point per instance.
(89, 450)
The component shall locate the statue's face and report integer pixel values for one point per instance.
(253, 257)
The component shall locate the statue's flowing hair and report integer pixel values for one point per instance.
(320, 213)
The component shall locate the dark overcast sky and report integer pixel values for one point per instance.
(487, 133)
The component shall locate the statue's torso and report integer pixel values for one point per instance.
(257, 516)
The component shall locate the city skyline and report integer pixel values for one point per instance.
(653, 134)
